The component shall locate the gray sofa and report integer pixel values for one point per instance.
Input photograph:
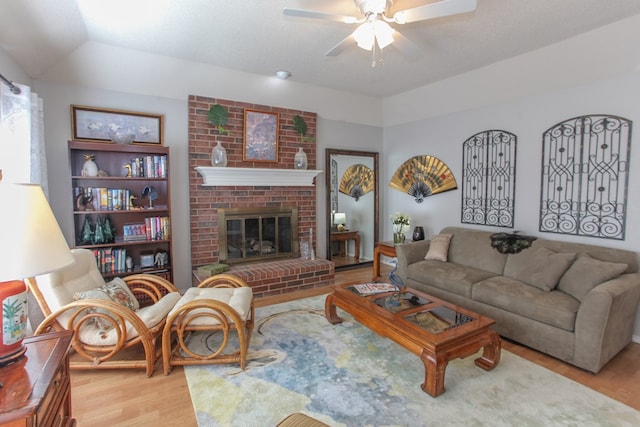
(573, 301)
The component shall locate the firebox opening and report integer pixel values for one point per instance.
(257, 234)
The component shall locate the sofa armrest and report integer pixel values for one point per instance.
(410, 253)
(605, 321)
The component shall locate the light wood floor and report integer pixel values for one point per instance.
(127, 397)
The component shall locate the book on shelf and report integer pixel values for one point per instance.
(374, 288)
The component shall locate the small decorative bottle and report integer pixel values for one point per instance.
(219, 155)
(300, 159)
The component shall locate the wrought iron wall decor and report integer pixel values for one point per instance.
(357, 181)
(489, 178)
(423, 176)
(585, 175)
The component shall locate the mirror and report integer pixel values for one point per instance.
(352, 214)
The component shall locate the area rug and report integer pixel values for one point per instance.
(346, 375)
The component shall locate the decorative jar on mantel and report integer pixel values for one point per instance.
(300, 159)
(219, 155)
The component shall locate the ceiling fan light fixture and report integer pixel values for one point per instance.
(373, 32)
(364, 36)
(384, 34)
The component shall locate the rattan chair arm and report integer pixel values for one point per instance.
(223, 281)
(121, 313)
(150, 284)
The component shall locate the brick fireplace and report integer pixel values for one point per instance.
(266, 278)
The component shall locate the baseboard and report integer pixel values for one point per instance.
(635, 338)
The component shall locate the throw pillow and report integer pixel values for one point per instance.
(115, 290)
(439, 247)
(586, 273)
(545, 268)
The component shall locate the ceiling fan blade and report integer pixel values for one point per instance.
(434, 10)
(318, 15)
(405, 45)
(337, 49)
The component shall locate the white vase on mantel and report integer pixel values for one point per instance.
(300, 159)
(219, 155)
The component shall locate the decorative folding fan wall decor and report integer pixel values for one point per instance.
(357, 181)
(423, 176)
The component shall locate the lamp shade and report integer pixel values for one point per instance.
(339, 218)
(32, 243)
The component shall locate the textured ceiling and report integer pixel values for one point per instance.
(254, 36)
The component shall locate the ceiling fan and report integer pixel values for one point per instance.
(374, 29)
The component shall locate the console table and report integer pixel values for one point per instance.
(36, 390)
(343, 237)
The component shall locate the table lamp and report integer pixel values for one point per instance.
(340, 220)
(31, 244)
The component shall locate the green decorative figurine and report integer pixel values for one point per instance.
(98, 236)
(87, 232)
(108, 231)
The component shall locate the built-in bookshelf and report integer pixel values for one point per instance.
(123, 212)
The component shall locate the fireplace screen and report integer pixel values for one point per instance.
(257, 234)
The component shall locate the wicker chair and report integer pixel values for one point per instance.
(222, 303)
(104, 329)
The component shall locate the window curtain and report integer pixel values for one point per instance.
(22, 148)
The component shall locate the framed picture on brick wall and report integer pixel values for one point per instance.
(260, 136)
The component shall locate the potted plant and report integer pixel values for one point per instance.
(219, 117)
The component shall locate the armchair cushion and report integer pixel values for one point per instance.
(150, 316)
(239, 299)
(116, 291)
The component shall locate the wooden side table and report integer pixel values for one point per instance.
(343, 237)
(382, 248)
(36, 390)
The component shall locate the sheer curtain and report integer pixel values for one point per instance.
(22, 149)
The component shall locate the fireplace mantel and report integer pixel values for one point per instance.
(238, 177)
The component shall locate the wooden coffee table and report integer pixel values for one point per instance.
(430, 328)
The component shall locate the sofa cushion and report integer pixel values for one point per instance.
(544, 268)
(473, 248)
(439, 247)
(553, 308)
(586, 273)
(449, 276)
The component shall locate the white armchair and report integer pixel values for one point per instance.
(105, 319)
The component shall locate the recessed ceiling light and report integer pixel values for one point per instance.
(283, 74)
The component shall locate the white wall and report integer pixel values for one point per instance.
(527, 118)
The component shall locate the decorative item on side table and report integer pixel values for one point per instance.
(32, 244)
(418, 233)
(401, 224)
(219, 116)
